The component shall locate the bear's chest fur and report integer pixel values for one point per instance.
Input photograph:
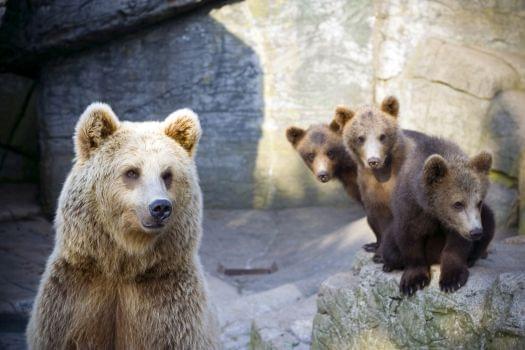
(375, 190)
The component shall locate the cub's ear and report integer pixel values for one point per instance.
(294, 134)
(435, 169)
(184, 127)
(342, 116)
(390, 105)
(334, 126)
(94, 126)
(481, 163)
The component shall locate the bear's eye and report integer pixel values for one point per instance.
(132, 174)
(310, 157)
(330, 154)
(361, 139)
(480, 203)
(167, 177)
(458, 206)
(382, 137)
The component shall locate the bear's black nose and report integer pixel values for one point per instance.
(323, 176)
(373, 162)
(160, 209)
(476, 233)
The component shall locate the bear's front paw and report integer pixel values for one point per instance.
(453, 279)
(371, 247)
(414, 278)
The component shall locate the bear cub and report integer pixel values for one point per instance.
(321, 147)
(378, 146)
(124, 272)
(439, 216)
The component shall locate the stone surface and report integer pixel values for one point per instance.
(504, 131)
(18, 134)
(503, 199)
(364, 309)
(33, 29)
(18, 201)
(313, 57)
(522, 197)
(470, 71)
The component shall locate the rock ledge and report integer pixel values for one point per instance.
(364, 309)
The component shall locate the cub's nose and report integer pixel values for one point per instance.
(476, 233)
(323, 176)
(373, 162)
(160, 209)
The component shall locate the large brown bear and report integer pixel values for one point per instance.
(124, 272)
(379, 147)
(439, 216)
(322, 150)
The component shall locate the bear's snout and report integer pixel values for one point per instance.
(160, 209)
(476, 233)
(374, 162)
(323, 176)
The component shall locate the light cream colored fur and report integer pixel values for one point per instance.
(110, 283)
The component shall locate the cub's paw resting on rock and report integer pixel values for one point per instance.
(414, 278)
(453, 278)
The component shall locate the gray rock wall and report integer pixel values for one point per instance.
(18, 131)
(192, 62)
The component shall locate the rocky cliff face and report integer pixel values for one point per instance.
(363, 309)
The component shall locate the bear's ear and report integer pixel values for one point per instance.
(94, 126)
(481, 163)
(342, 116)
(435, 169)
(390, 105)
(184, 127)
(294, 134)
(334, 126)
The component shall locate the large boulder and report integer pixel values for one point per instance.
(363, 309)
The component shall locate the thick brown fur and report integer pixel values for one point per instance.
(110, 282)
(380, 126)
(437, 205)
(322, 149)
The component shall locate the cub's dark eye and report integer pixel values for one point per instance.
(310, 157)
(167, 177)
(382, 137)
(361, 139)
(132, 174)
(480, 203)
(458, 206)
(330, 154)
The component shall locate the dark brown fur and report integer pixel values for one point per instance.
(322, 149)
(428, 225)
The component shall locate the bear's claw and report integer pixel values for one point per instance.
(414, 279)
(453, 280)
